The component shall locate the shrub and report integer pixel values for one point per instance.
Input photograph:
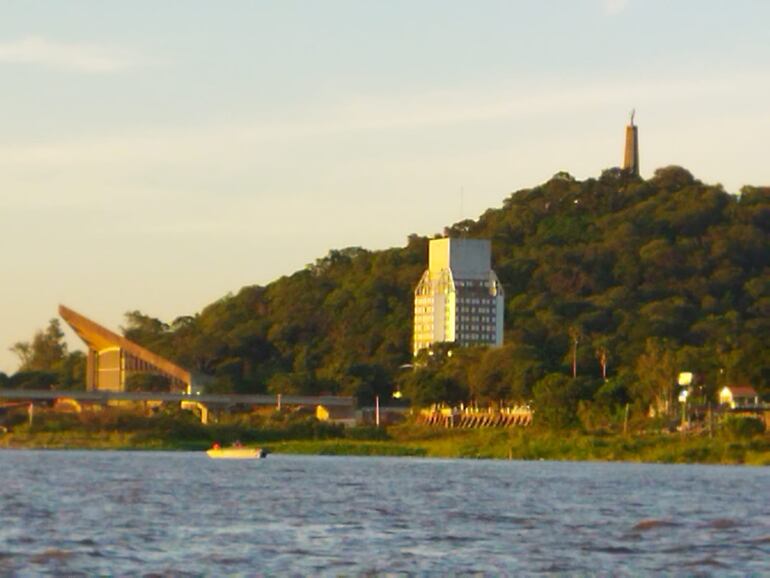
(555, 402)
(367, 433)
(741, 426)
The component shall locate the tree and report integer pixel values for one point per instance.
(33, 380)
(555, 402)
(297, 383)
(506, 374)
(426, 386)
(71, 371)
(145, 330)
(46, 350)
(656, 372)
(45, 362)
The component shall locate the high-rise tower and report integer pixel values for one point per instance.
(459, 298)
(631, 155)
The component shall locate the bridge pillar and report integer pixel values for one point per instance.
(197, 407)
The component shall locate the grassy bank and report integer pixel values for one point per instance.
(530, 445)
(533, 445)
(348, 448)
(473, 444)
(119, 431)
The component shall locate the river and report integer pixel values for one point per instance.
(181, 514)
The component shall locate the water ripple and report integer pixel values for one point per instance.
(180, 514)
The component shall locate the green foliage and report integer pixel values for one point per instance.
(147, 382)
(71, 371)
(45, 362)
(556, 402)
(173, 426)
(506, 374)
(426, 386)
(367, 433)
(656, 370)
(346, 448)
(44, 352)
(741, 426)
(33, 380)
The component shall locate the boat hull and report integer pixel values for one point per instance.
(235, 453)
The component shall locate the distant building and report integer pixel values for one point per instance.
(112, 358)
(631, 152)
(459, 299)
(738, 396)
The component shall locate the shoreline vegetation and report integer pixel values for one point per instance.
(120, 430)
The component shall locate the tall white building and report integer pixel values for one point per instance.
(459, 298)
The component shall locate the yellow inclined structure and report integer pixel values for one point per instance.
(112, 358)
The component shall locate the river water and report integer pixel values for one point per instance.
(146, 513)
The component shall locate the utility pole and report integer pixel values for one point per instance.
(625, 421)
(574, 333)
(602, 356)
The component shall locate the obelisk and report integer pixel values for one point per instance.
(631, 155)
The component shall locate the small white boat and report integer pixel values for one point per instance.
(235, 453)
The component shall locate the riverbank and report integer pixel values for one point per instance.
(412, 440)
(530, 445)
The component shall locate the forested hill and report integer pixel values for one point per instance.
(658, 276)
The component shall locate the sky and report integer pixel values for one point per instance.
(156, 156)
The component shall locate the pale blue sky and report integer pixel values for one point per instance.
(156, 155)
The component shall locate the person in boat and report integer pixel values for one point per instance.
(216, 446)
(237, 444)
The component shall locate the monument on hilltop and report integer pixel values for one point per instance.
(631, 154)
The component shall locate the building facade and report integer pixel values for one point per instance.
(459, 298)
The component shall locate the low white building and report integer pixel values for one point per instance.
(738, 396)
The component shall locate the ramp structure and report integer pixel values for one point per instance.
(113, 358)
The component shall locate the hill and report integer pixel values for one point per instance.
(629, 279)
(646, 277)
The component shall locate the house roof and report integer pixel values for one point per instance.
(742, 390)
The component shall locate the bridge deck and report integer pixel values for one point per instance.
(220, 399)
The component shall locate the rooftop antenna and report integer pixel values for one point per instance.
(633, 114)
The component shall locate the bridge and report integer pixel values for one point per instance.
(112, 359)
(200, 403)
(105, 396)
